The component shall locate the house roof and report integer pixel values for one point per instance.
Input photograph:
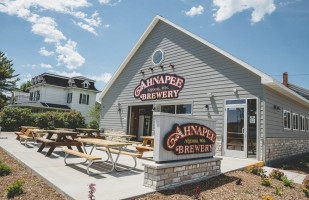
(62, 81)
(299, 90)
(265, 79)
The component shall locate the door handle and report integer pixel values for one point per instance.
(243, 130)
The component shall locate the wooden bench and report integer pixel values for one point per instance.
(133, 155)
(88, 157)
(47, 142)
(142, 149)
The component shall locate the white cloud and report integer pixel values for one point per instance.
(46, 66)
(106, 26)
(227, 8)
(44, 52)
(86, 27)
(69, 56)
(68, 74)
(110, 2)
(195, 11)
(103, 77)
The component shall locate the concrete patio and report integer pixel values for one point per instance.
(73, 180)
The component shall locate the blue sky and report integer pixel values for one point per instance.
(92, 38)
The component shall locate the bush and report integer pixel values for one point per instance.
(11, 118)
(266, 181)
(306, 191)
(255, 169)
(279, 190)
(286, 181)
(15, 189)
(94, 124)
(276, 174)
(4, 170)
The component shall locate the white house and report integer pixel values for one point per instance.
(53, 92)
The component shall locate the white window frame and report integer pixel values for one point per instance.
(302, 123)
(176, 104)
(289, 122)
(295, 129)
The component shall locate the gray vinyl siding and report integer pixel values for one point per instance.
(274, 124)
(205, 71)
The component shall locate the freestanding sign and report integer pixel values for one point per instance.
(190, 139)
(181, 137)
(162, 86)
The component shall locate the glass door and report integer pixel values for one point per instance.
(236, 131)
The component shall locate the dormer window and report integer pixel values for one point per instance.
(71, 82)
(85, 84)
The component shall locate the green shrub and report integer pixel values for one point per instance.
(286, 181)
(265, 181)
(255, 169)
(94, 124)
(279, 190)
(276, 174)
(11, 118)
(15, 189)
(306, 182)
(4, 170)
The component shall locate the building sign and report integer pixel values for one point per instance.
(190, 139)
(162, 86)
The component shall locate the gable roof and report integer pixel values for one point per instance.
(265, 79)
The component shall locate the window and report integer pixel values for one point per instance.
(84, 99)
(295, 121)
(31, 96)
(69, 98)
(287, 119)
(302, 123)
(157, 57)
(85, 84)
(177, 109)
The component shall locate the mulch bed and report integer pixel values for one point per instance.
(224, 187)
(298, 165)
(34, 188)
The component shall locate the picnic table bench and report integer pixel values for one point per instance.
(61, 140)
(142, 148)
(31, 134)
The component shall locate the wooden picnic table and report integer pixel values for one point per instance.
(115, 135)
(61, 140)
(89, 133)
(108, 146)
(142, 148)
(23, 130)
(31, 134)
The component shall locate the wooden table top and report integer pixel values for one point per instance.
(87, 129)
(61, 132)
(118, 135)
(32, 127)
(147, 137)
(101, 142)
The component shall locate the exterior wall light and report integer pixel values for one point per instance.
(171, 66)
(161, 66)
(209, 95)
(150, 68)
(142, 72)
(276, 107)
(207, 106)
(235, 91)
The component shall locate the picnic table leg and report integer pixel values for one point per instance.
(43, 144)
(52, 148)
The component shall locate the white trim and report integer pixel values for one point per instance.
(265, 79)
(161, 59)
(307, 124)
(295, 129)
(286, 111)
(302, 121)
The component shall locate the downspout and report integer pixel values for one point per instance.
(264, 133)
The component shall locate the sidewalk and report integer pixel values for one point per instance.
(73, 180)
(297, 178)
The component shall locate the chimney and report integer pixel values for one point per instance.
(285, 79)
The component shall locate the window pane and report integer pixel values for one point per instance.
(289, 120)
(183, 109)
(168, 109)
(285, 120)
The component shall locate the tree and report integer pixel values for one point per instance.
(94, 114)
(23, 87)
(7, 79)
